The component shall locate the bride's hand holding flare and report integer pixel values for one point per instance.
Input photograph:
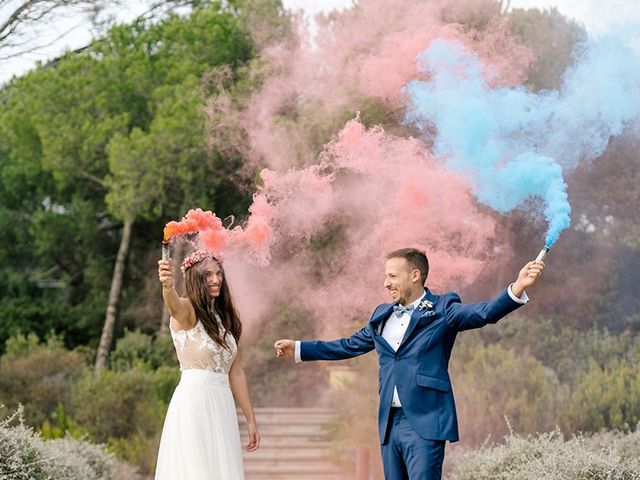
(165, 273)
(284, 348)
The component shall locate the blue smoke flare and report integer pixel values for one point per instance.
(514, 144)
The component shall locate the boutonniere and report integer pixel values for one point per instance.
(425, 304)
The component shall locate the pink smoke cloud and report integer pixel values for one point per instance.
(366, 53)
(209, 233)
(382, 192)
(342, 195)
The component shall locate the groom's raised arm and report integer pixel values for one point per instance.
(359, 343)
(461, 316)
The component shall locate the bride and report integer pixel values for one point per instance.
(200, 438)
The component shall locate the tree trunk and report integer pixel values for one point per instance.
(114, 297)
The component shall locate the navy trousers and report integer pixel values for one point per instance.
(406, 455)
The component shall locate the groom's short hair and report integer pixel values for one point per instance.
(415, 258)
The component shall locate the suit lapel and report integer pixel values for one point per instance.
(378, 322)
(380, 319)
(415, 316)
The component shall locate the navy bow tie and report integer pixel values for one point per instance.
(399, 310)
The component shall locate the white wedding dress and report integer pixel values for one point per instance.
(200, 438)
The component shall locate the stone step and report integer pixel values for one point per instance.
(289, 436)
(289, 444)
(298, 419)
(294, 444)
(279, 421)
(274, 455)
(293, 410)
(295, 476)
(303, 469)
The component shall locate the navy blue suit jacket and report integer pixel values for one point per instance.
(419, 368)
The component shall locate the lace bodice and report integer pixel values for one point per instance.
(196, 349)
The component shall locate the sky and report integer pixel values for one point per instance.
(74, 30)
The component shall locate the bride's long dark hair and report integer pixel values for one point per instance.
(197, 289)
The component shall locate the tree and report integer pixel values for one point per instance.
(170, 151)
(121, 125)
(552, 37)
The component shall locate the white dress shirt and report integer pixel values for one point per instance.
(396, 327)
(393, 333)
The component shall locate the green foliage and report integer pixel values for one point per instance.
(552, 38)
(39, 376)
(20, 345)
(165, 379)
(491, 383)
(139, 449)
(266, 21)
(126, 410)
(115, 405)
(42, 315)
(139, 350)
(60, 425)
(606, 398)
(123, 408)
(132, 350)
(566, 350)
(110, 133)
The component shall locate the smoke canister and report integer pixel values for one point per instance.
(542, 254)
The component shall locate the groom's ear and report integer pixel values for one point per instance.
(415, 275)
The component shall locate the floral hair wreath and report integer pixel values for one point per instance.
(196, 257)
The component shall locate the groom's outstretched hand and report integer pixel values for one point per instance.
(285, 348)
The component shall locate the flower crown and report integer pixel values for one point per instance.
(196, 257)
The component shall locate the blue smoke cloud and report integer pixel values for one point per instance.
(513, 144)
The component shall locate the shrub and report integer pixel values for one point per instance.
(139, 450)
(116, 405)
(490, 383)
(545, 456)
(626, 444)
(38, 376)
(165, 380)
(606, 398)
(60, 426)
(132, 350)
(18, 454)
(24, 455)
(137, 349)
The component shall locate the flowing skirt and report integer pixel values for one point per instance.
(200, 438)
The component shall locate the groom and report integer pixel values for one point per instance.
(414, 337)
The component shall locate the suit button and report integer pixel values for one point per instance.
(395, 359)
